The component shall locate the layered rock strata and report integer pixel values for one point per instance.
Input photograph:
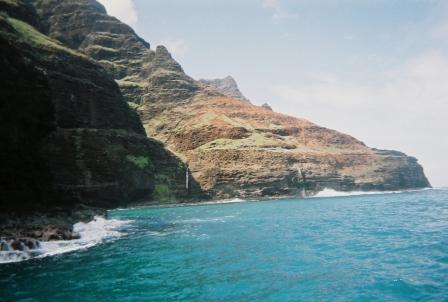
(233, 148)
(227, 86)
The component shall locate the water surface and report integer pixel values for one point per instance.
(389, 247)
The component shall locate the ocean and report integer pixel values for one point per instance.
(377, 247)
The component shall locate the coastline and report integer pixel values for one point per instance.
(173, 204)
(297, 241)
(85, 228)
(88, 234)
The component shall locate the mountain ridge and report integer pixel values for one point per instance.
(206, 128)
(93, 118)
(227, 86)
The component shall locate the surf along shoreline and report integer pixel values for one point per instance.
(100, 228)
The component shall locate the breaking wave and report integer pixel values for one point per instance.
(234, 200)
(91, 234)
(333, 193)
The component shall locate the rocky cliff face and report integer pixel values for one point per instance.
(139, 71)
(236, 149)
(84, 25)
(227, 86)
(233, 148)
(69, 140)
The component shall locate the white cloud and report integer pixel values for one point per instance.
(440, 31)
(278, 11)
(124, 10)
(177, 47)
(403, 108)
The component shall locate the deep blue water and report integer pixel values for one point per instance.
(390, 247)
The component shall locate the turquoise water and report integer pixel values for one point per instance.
(390, 247)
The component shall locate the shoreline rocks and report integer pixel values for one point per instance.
(19, 244)
(24, 229)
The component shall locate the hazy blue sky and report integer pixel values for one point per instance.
(376, 69)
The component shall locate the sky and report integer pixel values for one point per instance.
(375, 69)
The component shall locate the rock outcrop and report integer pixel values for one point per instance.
(85, 26)
(227, 86)
(266, 106)
(139, 71)
(233, 148)
(70, 142)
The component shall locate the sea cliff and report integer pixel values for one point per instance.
(93, 118)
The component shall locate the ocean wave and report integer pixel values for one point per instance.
(182, 204)
(91, 234)
(333, 193)
(204, 220)
(234, 200)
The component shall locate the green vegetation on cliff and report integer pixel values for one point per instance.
(30, 35)
(140, 161)
(233, 148)
(162, 193)
(69, 139)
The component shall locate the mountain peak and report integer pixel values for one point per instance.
(162, 50)
(226, 86)
(162, 58)
(267, 106)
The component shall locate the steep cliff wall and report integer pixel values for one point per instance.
(139, 71)
(232, 147)
(69, 140)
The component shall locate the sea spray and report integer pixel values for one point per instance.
(326, 192)
(92, 233)
(389, 247)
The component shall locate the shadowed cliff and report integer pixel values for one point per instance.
(69, 140)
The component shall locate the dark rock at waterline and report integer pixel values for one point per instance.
(44, 225)
(19, 244)
(4, 245)
(23, 244)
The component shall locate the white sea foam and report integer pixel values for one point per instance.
(205, 220)
(234, 200)
(222, 201)
(91, 234)
(186, 204)
(333, 193)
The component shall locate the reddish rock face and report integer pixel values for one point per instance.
(72, 146)
(232, 147)
(236, 149)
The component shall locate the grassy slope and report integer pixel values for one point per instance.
(28, 34)
(264, 129)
